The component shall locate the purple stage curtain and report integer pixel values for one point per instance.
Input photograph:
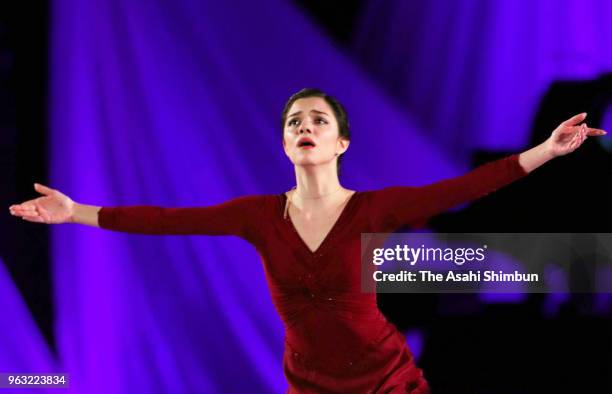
(22, 347)
(472, 72)
(178, 104)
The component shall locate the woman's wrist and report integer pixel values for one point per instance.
(75, 211)
(547, 150)
(85, 214)
(536, 156)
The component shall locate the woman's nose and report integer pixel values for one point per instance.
(305, 126)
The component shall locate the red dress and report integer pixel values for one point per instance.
(336, 339)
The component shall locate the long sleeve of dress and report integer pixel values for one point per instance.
(405, 205)
(239, 216)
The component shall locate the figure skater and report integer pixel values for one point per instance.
(336, 338)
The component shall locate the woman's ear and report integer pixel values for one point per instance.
(343, 145)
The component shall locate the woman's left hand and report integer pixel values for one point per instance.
(569, 136)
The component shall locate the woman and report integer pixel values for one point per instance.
(309, 240)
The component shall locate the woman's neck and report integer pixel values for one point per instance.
(317, 189)
(316, 182)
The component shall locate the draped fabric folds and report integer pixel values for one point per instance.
(178, 104)
(23, 348)
(472, 72)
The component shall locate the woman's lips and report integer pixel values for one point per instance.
(305, 141)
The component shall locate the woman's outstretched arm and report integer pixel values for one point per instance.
(239, 216)
(406, 205)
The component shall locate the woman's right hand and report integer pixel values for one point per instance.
(53, 208)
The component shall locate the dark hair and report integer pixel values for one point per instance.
(339, 112)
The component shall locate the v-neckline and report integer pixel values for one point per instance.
(290, 223)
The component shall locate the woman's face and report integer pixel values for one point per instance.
(311, 133)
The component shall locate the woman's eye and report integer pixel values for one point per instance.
(296, 121)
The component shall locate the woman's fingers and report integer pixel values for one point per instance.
(577, 139)
(42, 189)
(28, 207)
(31, 215)
(595, 132)
(30, 204)
(24, 207)
(583, 133)
(574, 120)
(582, 130)
(36, 219)
(570, 135)
(21, 207)
(22, 212)
(574, 131)
(574, 144)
